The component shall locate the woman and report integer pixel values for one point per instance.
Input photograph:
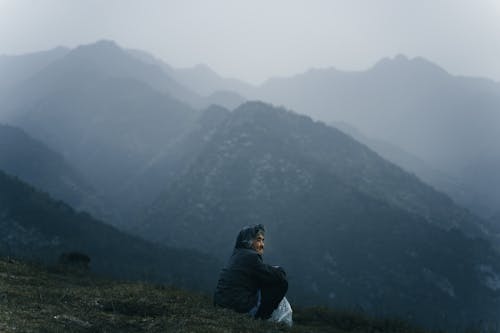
(246, 284)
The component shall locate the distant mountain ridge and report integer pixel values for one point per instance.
(204, 81)
(326, 94)
(116, 115)
(450, 122)
(109, 124)
(15, 69)
(461, 193)
(389, 95)
(103, 60)
(316, 143)
(35, 163)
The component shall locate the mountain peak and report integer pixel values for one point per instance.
(401, 58)
(402, 63)
(100, 48)
(203, 67)
(103, 44)
(256, 109)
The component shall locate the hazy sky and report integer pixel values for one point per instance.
(256, 39)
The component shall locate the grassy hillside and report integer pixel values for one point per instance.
(37, 299)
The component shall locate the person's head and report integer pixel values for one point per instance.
(251, 237)
(258, 243)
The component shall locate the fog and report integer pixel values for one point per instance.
(255, 40)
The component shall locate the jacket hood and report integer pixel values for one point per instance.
(247, 235)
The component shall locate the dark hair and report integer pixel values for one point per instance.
(247, 234)
(259, 229)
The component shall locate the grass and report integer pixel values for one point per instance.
(38, 299)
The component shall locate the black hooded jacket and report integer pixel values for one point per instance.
(245, 274)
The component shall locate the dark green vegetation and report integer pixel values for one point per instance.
(34, 226)
(34, 299)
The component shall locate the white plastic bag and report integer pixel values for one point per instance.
(283, 313)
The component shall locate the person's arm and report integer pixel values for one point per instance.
(265, 273)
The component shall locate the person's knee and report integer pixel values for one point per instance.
(283, 287)
(286, 284)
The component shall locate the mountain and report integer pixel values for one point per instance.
(35, 163)
(111, 130)
(199, 78)
(227, 99)
(449, 122)
(87, 63)
(113, 61)
(111, 113)
(202, 80)
(95, 107)
(350, 228)
(205, 81)
(15, 69)
(166, 167)
(36, 227)
(459, 191)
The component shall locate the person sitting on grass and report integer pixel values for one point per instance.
(246, 284)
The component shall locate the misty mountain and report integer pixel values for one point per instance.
(116, 62)
(227, 99)
(33, 162)
(350, 228)
(85, 64)
(111, 116)
(449, 122)
(456, 188)
(15, 69)
(35, 227)
(202, 80)
(164, 169)
(106, 123)
(111, 130)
